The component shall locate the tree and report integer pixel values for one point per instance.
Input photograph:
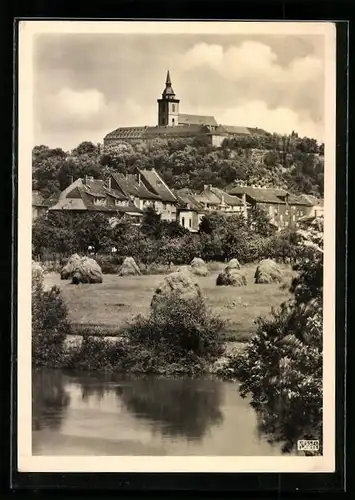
(151, 225)
(85, 147)
(259, 221)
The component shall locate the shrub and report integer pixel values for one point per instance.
(50, 326)
(281, 366)
(179, 328)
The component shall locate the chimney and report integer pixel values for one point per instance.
(71, 179)
(222, 199)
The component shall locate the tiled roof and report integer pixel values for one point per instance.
(231, 129)
(269, 195)
(126, 132)
(130, 186)
(187, 200)
(37, 198)
(310, 199)
(154, 182)
(208, 196)
(185, 119)
(228, 199)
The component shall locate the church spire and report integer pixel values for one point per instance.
(168, 80)
(168, 91)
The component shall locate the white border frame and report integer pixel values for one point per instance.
(29, 463)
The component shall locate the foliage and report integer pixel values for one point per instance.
(179, 327)
(49, 324)
(282, 365)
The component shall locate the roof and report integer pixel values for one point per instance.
(269, 195)
(52, 200)
(186, 119)
(228, 199)
(186, 200)
(309, 198)
(235, 130)
(37, 199)
(126, 132)
(155, 183)
(209, 197)
(175, 131)
(130, 186)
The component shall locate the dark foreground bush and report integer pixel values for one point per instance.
(281, 367)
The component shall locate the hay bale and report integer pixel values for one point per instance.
(198, 267)
(233, 264)
(231, 277)
(184, 269)
(69, 268)
(129, 268)
(178, 284)
(37, 276)
(267, 272)
(87, 271)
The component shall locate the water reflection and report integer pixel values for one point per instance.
(177, 407)
(49, 399)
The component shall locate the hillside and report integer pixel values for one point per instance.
(270, 160)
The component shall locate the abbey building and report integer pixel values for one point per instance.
(173, 124)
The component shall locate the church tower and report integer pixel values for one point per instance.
(168, 106)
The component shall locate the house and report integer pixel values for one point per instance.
(129, 185)
(92, 195)
(284, 209)
(166, 204)
(216, 200)
(37, 204)
(189, 211)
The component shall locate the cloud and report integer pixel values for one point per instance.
(281, 120)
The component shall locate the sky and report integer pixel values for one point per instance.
(85, 85)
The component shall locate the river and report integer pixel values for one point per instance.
(93, 414)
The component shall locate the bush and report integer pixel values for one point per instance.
(179, 328)
(109, 264)
(50, 326)
(281, 366)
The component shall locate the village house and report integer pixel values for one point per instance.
(166, 205)
(284, 209)
(37, 204)
(216, 200)
(189, 211)
(130, 186)
(93, 195)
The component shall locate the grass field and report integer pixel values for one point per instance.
(105, 308)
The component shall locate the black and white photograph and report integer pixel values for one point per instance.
(170, 299)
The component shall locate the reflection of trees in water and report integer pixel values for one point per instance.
(276, 429)
(49, 399)
(177, 407)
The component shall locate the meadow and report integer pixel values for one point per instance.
(104, 309)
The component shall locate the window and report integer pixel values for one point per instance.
(286, 223)
(173, 121)
(281, 217)
(298, 213)
(183, 221)
(286, 212)
(275, 211)
(293, 218)
(100, 201)
(173, 108)
(190, 222)
(301, 213)
(270, 210)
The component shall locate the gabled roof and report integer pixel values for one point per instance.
(186, 119)
(130, 186)
(37, 199)
(186, 200)
(207, 196)
(259, 194)
(154, 182)
(309, 198)
(228, 199)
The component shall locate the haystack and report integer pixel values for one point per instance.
(69, 268)
(87, 271)
(268, 272)
(233, 264)
(129, 268)
(37, 275)
(178, 284)
(198, 267)
(231, 277)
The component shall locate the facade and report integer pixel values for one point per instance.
(284, 209)
(172, 124)
(189, 211)
(166, 204)
(216, 200)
